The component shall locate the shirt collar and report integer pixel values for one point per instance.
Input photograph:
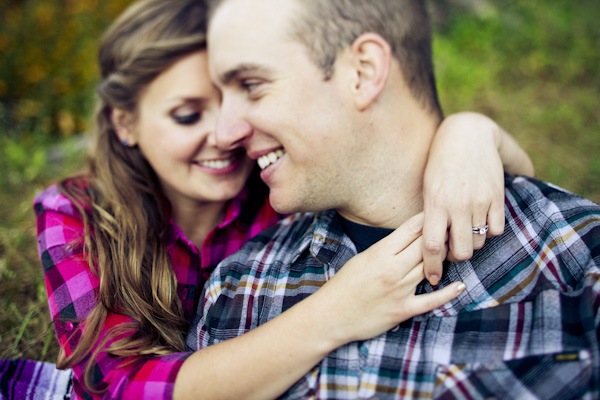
(233, 210)
(324, 239)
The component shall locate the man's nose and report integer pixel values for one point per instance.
(232, 128)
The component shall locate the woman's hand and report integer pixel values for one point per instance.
(372, 293)
(375, 290)
(464, 187)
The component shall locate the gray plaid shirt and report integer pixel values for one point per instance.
(527, 326)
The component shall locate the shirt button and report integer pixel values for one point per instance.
(69, 326)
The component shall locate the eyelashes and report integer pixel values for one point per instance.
(253, 87)
(250, 85)
(186, 119)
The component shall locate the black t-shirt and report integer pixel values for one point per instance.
(363, 236)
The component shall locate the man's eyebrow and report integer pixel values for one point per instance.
(234, 73)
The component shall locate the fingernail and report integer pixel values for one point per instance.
(461, 287)
(434, 279)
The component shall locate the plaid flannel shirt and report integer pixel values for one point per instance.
(27, 379)
(72, 287)
(526, 327)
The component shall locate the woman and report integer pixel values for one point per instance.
(127, 246)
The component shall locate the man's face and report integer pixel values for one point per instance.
(277, 104)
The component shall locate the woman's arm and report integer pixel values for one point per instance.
(356, 304)
(464, 186)
(514, 159)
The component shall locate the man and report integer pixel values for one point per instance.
(336, 99)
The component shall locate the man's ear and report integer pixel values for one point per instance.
(372, 59)
(123, 122)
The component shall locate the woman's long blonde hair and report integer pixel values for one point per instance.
(125, 212)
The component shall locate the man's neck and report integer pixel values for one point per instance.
(393, 190)
(389, 210)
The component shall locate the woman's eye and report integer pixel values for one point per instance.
(186, 119)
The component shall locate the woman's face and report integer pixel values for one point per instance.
(174, 129)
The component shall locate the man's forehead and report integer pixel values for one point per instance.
(244, 36)
(243, 17)
(234, 56)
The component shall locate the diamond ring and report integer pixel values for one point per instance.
(480, 230)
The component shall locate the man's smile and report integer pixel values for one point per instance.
(270, 158)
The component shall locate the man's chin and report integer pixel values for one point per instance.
(283, 203)
(281, 207)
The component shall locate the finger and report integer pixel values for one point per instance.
(435, 234)
(461, 236)
(479, 220)
(478, 240)
(496, 218)
(414, 276)
(426, 302)
(410, 259)
(402, 237)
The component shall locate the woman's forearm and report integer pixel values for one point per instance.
(264, 362)
(514, 159)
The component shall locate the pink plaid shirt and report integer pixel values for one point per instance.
(72, 287)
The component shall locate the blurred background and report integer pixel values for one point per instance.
(532, 66)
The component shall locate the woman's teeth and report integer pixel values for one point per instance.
(268, 159)
(216, 164)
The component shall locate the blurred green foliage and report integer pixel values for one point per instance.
(532, 66)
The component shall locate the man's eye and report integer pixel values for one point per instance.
(186, 119)
(250, 84)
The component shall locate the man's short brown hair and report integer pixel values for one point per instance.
(329, 26)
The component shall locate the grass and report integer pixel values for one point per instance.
(532, 66)
(26, 167)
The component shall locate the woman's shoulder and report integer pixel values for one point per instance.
(61, 197)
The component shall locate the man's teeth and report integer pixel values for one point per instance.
(268, 159)
(216, 164)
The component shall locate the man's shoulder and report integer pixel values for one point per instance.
(542, 199)
(543, 213)
(551, 241)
